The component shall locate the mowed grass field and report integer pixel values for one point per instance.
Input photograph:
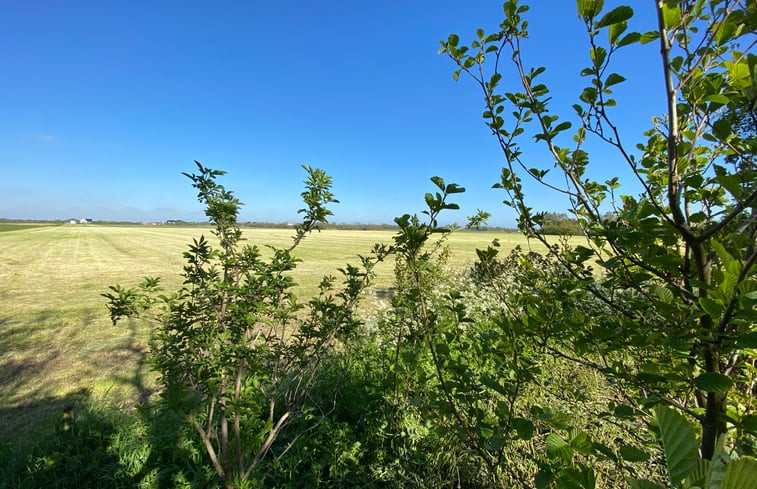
(57, 343)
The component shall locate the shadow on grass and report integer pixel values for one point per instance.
(44, 355)
(87, 444)
(75, 440)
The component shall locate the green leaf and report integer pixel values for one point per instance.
(679, 443)
(615, 30)
(740, 474)
(579, 441)
(749, 424)
(623, 411)
(524, 428)
(629, 38)
(589, 95)
(453, 39)
(588, 9)
(453, 188)
(713, 382)
(722, 129)
(605, 450)
(726, 32)
(439, 182)
(717, 467)
(751, 295)
(543, 479)
(558, 448)
(662, 293)
(648, 37)
(562, 126)
(485, 431)
(615, 16)
(642, 484)
(711, 307)
(633, 454)
(698, 477)
(718, 98)
(748, 340)
(598, 56)
(613, 79)
(671, 16)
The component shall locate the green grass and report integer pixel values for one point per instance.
(56, 340)
(20, 226)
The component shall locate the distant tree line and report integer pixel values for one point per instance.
(559, 223)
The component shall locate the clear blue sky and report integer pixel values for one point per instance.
(104, 104)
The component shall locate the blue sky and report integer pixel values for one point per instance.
(104, 104)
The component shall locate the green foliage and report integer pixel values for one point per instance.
(682, 250)
(477, 220)
(686, 469)
(95, 445)
(529, 370)
(557, 223)
(236, 354)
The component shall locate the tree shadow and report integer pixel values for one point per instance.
(74, 441)
(81, 440)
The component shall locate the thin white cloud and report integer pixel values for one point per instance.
(46, 138)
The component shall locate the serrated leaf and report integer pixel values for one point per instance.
(615, 16)
(589, 8)
(713, 382)
(679, 443)
(740, 474)
(717, 467)
(662, 293)
(698, 477)
(580, 442)
(558, 448)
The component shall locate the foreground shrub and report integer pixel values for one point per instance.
(238, 357)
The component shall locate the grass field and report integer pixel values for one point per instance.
(56, 340)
